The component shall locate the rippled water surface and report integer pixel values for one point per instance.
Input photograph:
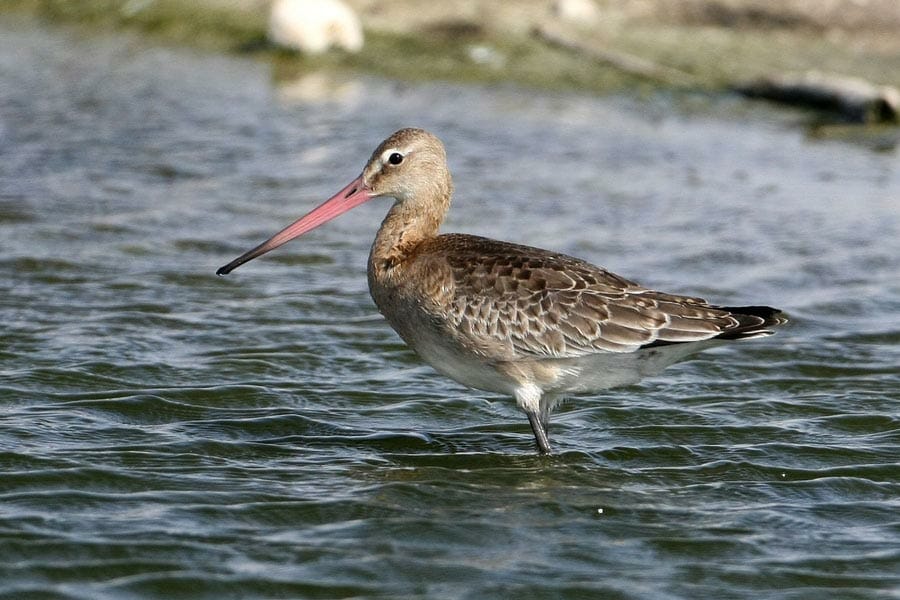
(168, 433)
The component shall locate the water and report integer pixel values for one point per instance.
(168, 433)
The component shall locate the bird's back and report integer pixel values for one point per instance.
(527, 303)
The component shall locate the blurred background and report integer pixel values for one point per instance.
(586, 44)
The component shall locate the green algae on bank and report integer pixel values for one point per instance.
(204, 23)
(521, 61)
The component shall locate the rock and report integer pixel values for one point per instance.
(482, 54)
(578, 12)
(856, 100)
(314, 26)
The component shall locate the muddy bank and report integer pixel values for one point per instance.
(714, 43)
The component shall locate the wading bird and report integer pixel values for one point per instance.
(507, 318)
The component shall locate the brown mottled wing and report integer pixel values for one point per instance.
(537, 303)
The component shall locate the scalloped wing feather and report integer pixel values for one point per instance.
(531, 303)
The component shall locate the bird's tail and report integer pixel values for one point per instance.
(754, 321)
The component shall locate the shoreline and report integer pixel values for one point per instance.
(713, 45)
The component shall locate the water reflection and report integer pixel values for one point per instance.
(320, 87)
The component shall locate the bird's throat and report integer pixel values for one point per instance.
(405, 227)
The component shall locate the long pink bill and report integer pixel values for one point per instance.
(353, 195)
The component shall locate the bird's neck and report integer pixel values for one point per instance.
(407, 224)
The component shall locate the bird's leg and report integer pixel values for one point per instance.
(539, 423)
(545, 421)
(528, 397)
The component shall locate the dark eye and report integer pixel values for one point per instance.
(396, 158)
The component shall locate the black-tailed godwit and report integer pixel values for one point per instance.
(533, 324)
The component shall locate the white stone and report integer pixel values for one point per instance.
(579, 12)
(314, 26)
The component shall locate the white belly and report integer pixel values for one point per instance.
(553, 376)
(464, 367)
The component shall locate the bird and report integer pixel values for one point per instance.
(507, 318)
